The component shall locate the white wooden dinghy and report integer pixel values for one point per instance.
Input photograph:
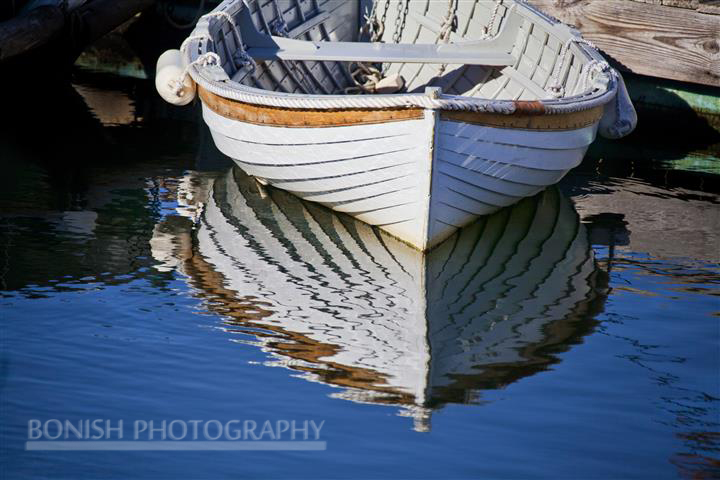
(342, 303)
(493, 102)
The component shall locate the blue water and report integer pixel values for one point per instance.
(101, 319)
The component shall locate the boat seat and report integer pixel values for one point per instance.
(493, 52)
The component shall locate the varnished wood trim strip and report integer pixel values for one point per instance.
(529, 107)
(528, 115)
(282, 117)
(528, 121)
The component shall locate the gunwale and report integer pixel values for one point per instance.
(303, 117)
(524, 121)
(527, 117)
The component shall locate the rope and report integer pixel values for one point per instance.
(449, 21)
(240, 54)
(278, 26)
(231, 21)
(178, 84)
(200, 36)
(556, 87)
(591, 69)
(221, 13)
(447, 26)
(491, 24)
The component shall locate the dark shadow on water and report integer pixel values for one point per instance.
(84, 169)
(672, 146)
(655, 191)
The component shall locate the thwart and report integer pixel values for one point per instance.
(416, 124)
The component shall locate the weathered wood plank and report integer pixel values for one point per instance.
(650, 39)
(699, 5)
(709, 6)
(33, 30)
(101, 16)
(82, 26)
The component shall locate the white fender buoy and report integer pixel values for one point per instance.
(170, 71)
(619, 117)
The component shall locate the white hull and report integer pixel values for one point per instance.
(419, 180)
(451, 143)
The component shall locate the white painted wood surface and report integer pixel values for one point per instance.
(389, 176)
(477, 170)
(419, 180)
(377, 173)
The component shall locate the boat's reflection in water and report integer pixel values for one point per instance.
(349, 306)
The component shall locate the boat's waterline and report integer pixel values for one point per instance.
(418, 176)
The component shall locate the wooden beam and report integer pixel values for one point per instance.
(50, 24)
(102, 16)
(30, 31)
(653, 39)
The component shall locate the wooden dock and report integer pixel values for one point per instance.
(672, 39)
(59, 33)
